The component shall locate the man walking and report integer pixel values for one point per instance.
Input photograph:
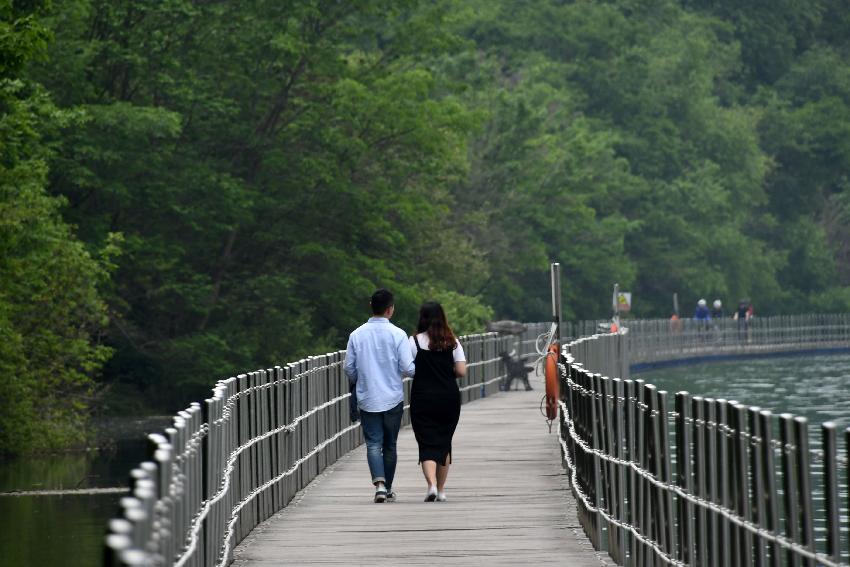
(377, 357)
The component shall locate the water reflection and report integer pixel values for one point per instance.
(64, 531)
(816, 387)
(67, 531)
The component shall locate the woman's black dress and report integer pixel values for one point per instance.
(434, 403)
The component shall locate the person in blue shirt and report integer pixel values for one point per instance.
(377, 358)
(702, 315)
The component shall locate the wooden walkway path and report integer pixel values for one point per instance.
(508, 503)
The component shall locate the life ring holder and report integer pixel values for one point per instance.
(552, 385)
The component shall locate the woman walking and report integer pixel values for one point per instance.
(435, 397)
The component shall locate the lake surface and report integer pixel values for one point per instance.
(815, 387)
(68, 530)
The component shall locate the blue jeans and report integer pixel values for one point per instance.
(381, 432)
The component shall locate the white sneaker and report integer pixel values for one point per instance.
(431, 495)
(380, 494)
(441, 497)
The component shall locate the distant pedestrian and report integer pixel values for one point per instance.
(702, 315)
(375, 361)
(742, 310)
(743, 315)
(718, 320)
(435, 397)
(675, 324)
(717, 309)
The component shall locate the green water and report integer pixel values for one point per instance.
(816, 387)
(45, 531)
(67, 530)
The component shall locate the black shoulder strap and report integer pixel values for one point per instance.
(415, 340)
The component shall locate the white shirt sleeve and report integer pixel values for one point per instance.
(457, 353)
(405, 362)
(412, 346)
(350, 365)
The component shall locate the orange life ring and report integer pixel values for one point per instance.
(552, 388)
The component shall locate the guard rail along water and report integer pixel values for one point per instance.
(676, 479)
(229, 463)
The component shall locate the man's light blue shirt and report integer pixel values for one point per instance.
(377, 357)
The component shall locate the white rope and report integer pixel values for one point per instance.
(480, 384)
(545, 339)
(194, 531)
(734, 518)
(482, 362)
(234, 514)
(593, 509)
(197, 522)
(228, 469)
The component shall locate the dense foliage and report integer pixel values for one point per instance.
(229, 181)
(51, 312)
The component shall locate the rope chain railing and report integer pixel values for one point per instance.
(229, 463)
(713, 482)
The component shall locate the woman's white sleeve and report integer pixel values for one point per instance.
(457, 353)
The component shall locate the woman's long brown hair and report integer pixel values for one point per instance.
(432, 320)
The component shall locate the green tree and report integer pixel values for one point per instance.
(51, 314)
(269, 165)
(616, 147)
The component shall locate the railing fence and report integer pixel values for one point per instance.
(657, 340)
(707, 481)
(230, 463)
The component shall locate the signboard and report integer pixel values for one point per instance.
(624, 301)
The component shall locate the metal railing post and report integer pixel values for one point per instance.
(227, 464)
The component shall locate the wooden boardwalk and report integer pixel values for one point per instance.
(508, 503)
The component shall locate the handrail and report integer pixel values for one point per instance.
(708, 483)
(230, 463)
(654, 340)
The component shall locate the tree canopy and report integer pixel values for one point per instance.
(192, 189)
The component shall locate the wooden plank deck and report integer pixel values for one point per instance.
(508, 503)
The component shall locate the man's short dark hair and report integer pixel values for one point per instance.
(381, 301)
